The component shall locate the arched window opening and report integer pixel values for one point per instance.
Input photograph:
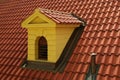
(42, 48)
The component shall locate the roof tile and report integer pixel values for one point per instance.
(60, 17)
(101, 35)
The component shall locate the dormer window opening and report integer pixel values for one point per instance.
(42, 48)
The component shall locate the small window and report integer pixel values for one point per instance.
(42, 48)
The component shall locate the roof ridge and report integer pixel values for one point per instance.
(51, 11)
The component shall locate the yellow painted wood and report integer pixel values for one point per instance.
(57, 35)
(37, 19)
(62, 38)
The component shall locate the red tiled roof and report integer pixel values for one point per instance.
(101, 35)
(60, 17)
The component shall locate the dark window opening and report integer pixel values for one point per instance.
(42, 48)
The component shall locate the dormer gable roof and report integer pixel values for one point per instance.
(49, 18)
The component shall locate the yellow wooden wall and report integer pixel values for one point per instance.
(62, 36)
(49, 34)
(56, 39)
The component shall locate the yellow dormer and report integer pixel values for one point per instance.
(48, 33)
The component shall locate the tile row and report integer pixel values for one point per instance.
(103, 50)
(109, 70)
(101, 33)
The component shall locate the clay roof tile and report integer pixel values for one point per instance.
(101, 35)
